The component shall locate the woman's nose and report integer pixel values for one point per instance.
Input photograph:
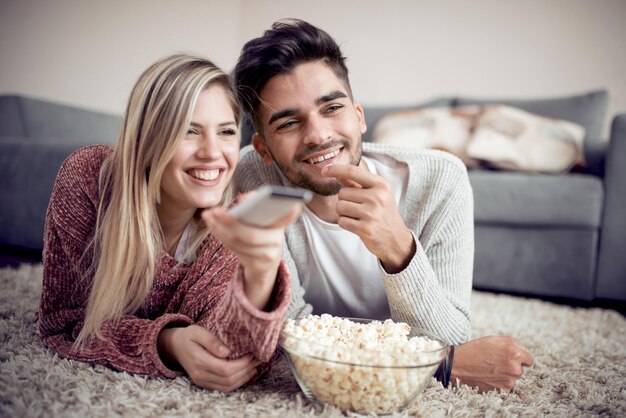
(208, 148)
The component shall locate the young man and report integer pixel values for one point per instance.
(389, 232)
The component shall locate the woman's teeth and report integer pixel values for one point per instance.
(323, 157)
(204, 174)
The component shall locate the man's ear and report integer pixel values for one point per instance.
(260, 146)
(361, 116)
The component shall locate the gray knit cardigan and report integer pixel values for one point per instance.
(433, 291)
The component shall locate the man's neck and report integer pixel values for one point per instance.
(324, 207)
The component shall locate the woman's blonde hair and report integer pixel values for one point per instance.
(128, 239)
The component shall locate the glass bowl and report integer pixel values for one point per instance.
(361, 379)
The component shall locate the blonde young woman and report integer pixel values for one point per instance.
(138, 276)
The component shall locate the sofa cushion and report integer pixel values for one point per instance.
(588, 110)
(444, 128)
(374, 113)
(26, 117)
(510, 138)
(510, 198)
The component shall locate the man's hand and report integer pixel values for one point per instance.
(367, 208)
(490, 363)
(202, 355)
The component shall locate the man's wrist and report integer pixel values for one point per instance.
(398, 260)
(444, 371)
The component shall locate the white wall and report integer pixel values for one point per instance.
(89, 53)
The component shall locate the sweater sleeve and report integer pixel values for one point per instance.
(433, 291)
(240, 325)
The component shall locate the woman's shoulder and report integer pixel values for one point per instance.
(79, 174)
(86, 158)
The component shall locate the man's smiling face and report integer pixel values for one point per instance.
(309, 121)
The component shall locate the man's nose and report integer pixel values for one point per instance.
(317, 131)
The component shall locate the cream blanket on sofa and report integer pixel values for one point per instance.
(580, 370)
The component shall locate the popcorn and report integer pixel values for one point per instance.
(364, 367)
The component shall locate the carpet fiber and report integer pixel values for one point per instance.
(580, 370)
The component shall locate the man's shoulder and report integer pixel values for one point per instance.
(434, 162)
(249, 158)
(252, 171)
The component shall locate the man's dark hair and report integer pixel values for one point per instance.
(288, 43)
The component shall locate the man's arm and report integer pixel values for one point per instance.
(429, 285)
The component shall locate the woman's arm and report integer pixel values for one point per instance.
(130, 343)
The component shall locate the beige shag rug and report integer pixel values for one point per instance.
(580, 370)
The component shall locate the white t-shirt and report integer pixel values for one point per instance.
(343, 277)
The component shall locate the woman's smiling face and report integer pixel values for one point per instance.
(205, 159)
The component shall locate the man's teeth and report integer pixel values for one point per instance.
(204, 174)
(323, 157)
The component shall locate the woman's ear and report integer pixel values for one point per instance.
(258, 142)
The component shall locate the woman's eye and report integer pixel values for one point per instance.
(229, 132)
(192, 131)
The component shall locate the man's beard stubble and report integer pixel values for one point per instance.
(301, 178)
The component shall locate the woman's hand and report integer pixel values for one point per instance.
(259, 249)
(202, 355)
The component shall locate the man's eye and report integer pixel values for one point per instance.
(287, 124)
(333, 108)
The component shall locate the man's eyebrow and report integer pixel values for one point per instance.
(282, 114)
(337, 94)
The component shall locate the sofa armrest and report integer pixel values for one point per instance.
(595, 157)
(28, 170)
(611, 277)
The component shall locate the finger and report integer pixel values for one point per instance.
(231, 230)
(243, 196)
(527, 359)
(349, 209)
(359, 177)
(524, 355)
(227, 385)
(349, 224)
(357, 195)
(227, 368)
(348, 183)
(209, 342)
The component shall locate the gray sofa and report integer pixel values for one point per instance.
(545, 235)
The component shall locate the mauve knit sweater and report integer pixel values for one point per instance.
(207, 292)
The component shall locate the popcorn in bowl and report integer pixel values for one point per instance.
(360, 365)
